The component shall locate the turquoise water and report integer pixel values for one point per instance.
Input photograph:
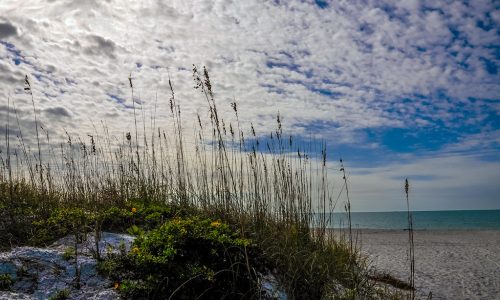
(431, 220)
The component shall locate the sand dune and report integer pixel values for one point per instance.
(452, 264)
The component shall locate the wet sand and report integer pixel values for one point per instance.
(452, 264)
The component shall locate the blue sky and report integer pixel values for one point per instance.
(397, 89)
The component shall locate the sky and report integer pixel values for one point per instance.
(397, 89)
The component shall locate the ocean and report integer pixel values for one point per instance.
(427, 220)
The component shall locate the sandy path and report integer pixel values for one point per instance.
(452, 264)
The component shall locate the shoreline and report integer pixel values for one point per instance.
(452, 264)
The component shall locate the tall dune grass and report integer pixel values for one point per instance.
(270, 189)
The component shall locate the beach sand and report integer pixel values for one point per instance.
(452, 264)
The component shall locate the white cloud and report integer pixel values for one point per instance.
(367, 54)
(440, 183)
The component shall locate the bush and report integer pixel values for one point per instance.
(153, 215)
(149, 217)
(186, 257)
(66, 221)
(115, 219)
(62, 222)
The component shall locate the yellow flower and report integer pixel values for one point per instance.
(215, 224)
(117, 285)
(135, 250)
(134, 210)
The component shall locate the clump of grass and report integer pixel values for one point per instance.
(69, 253)
(6, 282)
(348, 204)
(267, 190)
(60, 295)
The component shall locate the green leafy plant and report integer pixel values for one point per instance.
(186, 258)
(62, 222)
(115, 219)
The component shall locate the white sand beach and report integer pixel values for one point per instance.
(452, 264)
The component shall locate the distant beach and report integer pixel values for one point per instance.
(452, 264)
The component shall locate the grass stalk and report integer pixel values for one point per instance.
(411, 250)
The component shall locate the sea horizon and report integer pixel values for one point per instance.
(488, 219)
(422, 210)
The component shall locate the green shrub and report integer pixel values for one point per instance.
(62, 222)
(66, 221)
(115, 219)
(152, 215)
(149, 217)
(187, 256)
